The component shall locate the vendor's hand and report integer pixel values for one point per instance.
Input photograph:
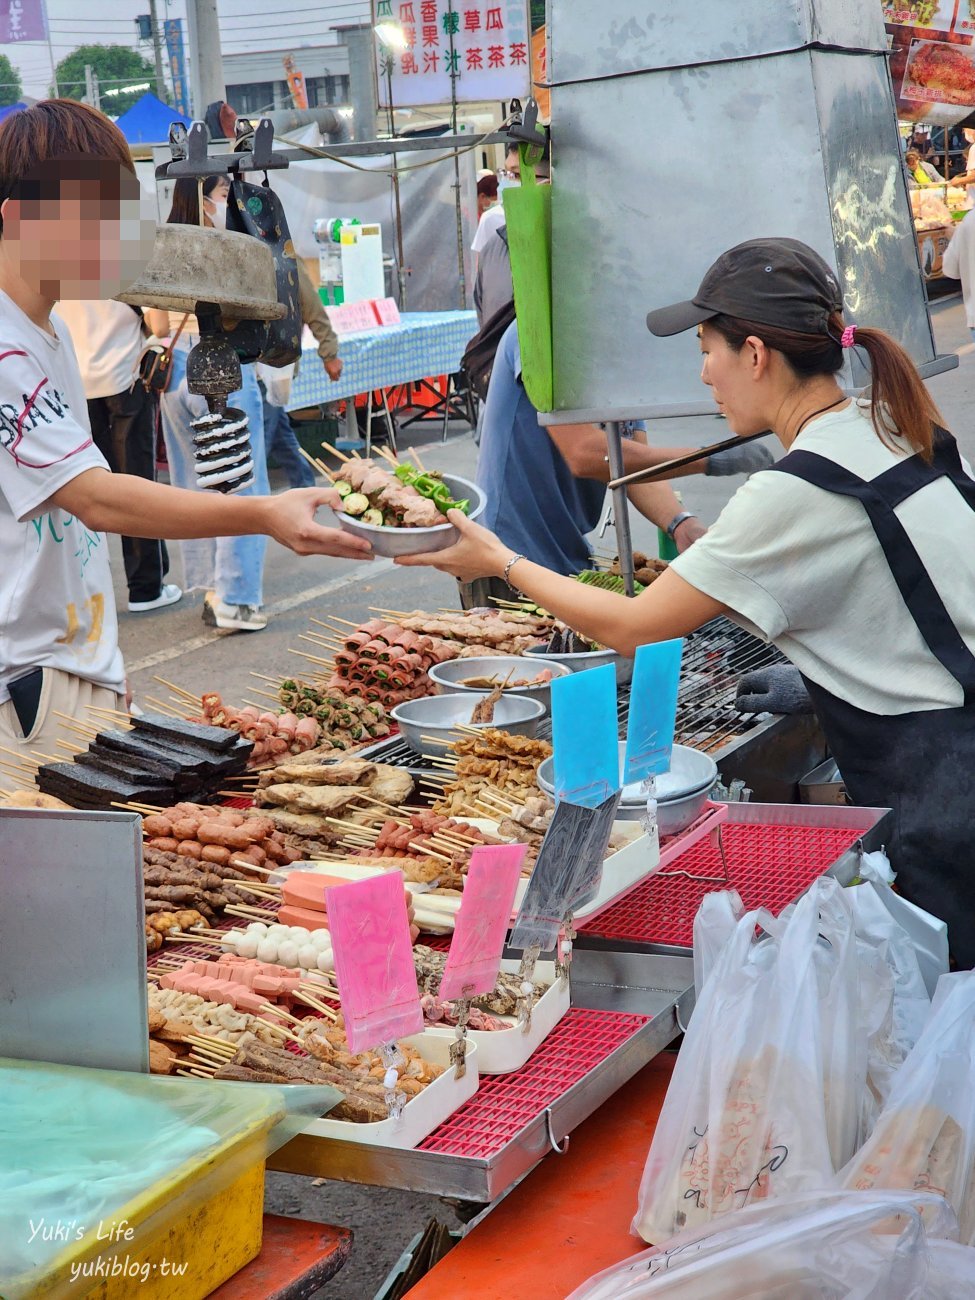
(746, 459)
(687, 533)
(291, 521)
(333, 368)
(478, 554)
(776, 689)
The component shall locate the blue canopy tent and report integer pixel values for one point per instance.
(11, 108)
(148, 121)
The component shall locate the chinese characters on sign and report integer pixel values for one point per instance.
(22, 20)
(483, 46)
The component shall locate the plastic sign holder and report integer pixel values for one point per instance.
(474, 959)
(374, 970)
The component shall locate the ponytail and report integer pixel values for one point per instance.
(900, 404)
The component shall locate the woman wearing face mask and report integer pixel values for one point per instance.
(855, 555)
(230, 570)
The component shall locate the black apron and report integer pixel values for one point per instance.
(921, 764)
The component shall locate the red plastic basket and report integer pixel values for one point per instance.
(769, 865)
(505, 1103)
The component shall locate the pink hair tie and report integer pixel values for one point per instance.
(848, 337)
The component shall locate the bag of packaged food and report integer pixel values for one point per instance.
(806, 1246)
(924, 1138)
(756, 1102)
(927, 933)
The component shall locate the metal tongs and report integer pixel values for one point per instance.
(654, 471)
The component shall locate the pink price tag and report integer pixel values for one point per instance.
(374, 960)
(353, 317)
(387, 313)
(482, 921)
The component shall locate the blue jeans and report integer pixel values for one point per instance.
(231, 566)
(282, 444)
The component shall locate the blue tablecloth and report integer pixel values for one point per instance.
(424, 343)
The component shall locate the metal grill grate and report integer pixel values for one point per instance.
(769, 865)
(505, 1103)
(715, 657)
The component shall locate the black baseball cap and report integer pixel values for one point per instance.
(769, 281)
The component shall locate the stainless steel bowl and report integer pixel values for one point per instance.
(448, 675)
(423, 722)
(391, 542)
(577, 663)
(674, 815)
(681, 793)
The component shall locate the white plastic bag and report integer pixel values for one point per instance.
(894, 1000)
(277, 382)
(745, 1116)
(808, 1246)
(925, 1136)
(927, 933)
(714, 925)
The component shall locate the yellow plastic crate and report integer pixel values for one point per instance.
(181, 1247)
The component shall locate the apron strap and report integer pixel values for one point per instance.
(878, 498)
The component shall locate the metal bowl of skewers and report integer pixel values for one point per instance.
(430, 725)
(390, 507)
(512, 673)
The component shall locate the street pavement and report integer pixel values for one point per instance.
(175, 644)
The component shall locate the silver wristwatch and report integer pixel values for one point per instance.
(676, 522)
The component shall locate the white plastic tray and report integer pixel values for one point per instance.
(500, 1051)
(621, 870)
(422, 1114)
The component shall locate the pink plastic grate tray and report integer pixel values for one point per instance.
(770, 866)
(505, 1103)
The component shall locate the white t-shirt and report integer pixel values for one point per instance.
(802, 567)
(108, 342)
(959, 263)
(57, 606)
(492, 220)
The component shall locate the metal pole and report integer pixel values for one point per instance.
(206, 74)
(400, 255)
(50, 50)
(624, 542)
(157, 51)
(454, 74)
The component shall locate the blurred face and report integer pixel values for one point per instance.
(969, 134)
(512, 165)
(79, 238)
(734, 379)
(913, 158)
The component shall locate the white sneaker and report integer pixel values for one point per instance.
(232, 618)
(169, 595)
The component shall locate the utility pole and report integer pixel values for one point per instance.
(206, 60)
(157, 51)
(91, 87)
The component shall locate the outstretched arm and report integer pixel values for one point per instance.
(669, 608)
(136, 507)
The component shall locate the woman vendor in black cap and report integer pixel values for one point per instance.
(854, 554)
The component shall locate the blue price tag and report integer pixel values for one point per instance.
(653, 710)
(585, 736)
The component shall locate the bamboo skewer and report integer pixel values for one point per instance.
(179, 690)
(335, 619)
(339, 455)
(419, 463)
(164, 709)
(317, 464)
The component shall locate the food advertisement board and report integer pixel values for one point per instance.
(932, 44)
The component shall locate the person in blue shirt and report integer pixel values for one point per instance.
(546, 485)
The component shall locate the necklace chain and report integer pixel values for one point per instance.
(822, 411)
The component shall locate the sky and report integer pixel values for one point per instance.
(243, 25)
